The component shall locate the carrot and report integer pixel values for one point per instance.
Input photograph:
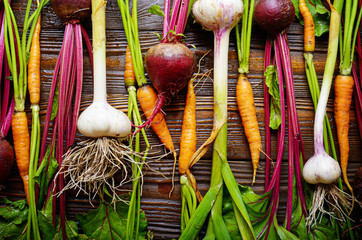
(129, 76)
(21, 138)
(34, 66)
(309, 39)
(188, 134)
(343, 89)
(147, 98)
(245, 101)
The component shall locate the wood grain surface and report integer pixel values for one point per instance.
(162, 212)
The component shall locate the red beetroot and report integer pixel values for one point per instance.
(274, 16)
(6, 160)
(170, 66)
(71, 9)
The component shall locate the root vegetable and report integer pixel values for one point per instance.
(6, 160)
(69, 10)
(170, 66)
(273, 16)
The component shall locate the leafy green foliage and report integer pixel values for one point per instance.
(109, 221)
(156, 9)
(320, 15)
(47, 229)
(13, 219)
(228, 216)
(44, 174)
(271, 80)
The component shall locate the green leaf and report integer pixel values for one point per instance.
(320, 15)
(156, 9)
(228, 216)
(271, 80)
(13, 218)
(55, 104)
(109, 222)
(45, 174)
(46, 227)
(283, 233)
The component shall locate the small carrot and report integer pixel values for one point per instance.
(343, 89)
(34, 66)
(147, 98)
(188, 134)
(21, 139)
(129, 76)
(309, 39)
(245, 101)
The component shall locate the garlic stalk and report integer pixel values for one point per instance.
(100, 119)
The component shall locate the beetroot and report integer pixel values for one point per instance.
(6, 160)
(170, 67)
(273, 16)
(68, 10)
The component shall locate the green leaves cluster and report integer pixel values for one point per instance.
(109, 221)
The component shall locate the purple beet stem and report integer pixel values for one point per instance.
(275, 180)
(166, 20)
(357, 98)
(267, 58)
(68, 76)
(178, 18)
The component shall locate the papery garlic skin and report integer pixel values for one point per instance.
(102, 120)
(321, 168)
(218, 14)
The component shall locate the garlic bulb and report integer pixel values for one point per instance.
(321, 168)
(218, 14)
(102, 120)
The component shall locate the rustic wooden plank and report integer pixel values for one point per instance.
(163, 213)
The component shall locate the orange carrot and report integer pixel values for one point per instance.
(147, 98)
(343, 89)
(34, 66)
(188, 134)
(22, 147)
(188, 138)
(309, 39)
(129, 76)
(245, 101)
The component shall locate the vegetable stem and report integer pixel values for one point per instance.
(327, 76)
(99, 50)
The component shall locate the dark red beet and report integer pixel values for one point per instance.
(170, 66)
(68, 10)
(6, 160)
(273, 16)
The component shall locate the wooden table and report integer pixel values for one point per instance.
(162, 212)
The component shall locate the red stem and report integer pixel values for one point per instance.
(55, 81)
(7, 121)
(267, 58)
(88, 44)
(64, 88)
(281, 136)
(181, 20)
(174, 15)
(79, 70)
(166, 19)
(290, 172)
